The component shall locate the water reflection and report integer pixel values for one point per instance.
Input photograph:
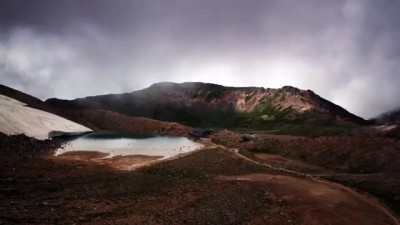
(130, 144)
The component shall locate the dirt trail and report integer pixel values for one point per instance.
(321, 189)
(367, 200)
(209, 186)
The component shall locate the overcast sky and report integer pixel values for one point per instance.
(347, 51)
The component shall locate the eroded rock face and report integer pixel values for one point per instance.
(209, 104)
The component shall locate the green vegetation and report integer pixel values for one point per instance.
(265, 116)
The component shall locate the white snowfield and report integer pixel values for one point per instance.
(17, 118)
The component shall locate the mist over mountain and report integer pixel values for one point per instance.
(344, 50)
(391, 117)
(204, 104)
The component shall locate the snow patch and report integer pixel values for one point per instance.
(17, 118)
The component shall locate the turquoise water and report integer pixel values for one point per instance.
(130, 144)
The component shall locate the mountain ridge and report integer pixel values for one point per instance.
(206, 104)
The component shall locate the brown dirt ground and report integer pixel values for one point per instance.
(291, 164)
(339, 153)
(369, 164)
(127, 162)
(211, 186)
(316, 202)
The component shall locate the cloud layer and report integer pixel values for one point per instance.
(347, 50)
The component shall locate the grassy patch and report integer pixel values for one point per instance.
(265, 116)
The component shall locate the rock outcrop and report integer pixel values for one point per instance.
(203, 104)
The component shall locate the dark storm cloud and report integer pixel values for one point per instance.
(345, 50)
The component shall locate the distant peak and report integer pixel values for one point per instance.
(184, 85)
(290, 89)
(163, 84)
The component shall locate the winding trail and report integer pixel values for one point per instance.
(368, 200)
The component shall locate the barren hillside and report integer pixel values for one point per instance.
(201, 104)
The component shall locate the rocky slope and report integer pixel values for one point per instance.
(23, 147)
(107, 120)
(201, 104)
